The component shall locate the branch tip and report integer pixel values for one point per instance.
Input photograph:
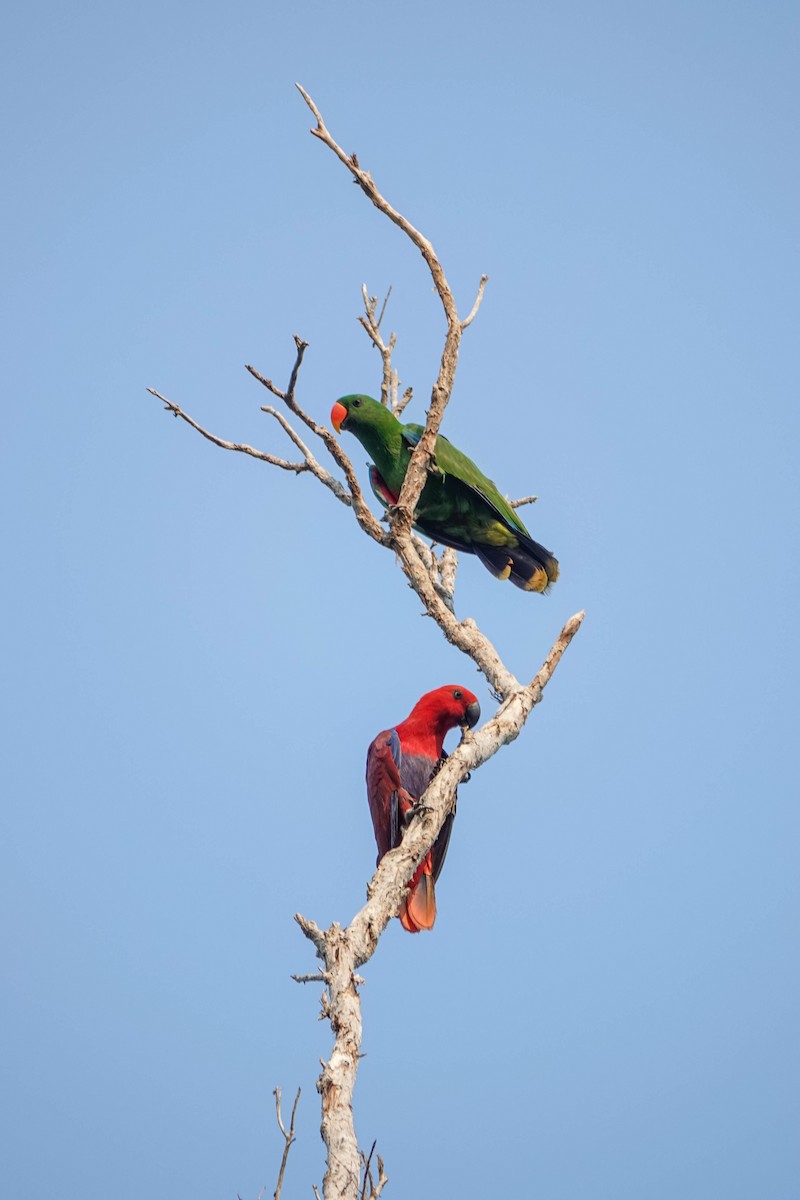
(474, 310)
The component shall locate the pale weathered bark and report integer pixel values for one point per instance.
(432, 576)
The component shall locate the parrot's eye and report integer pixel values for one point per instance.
(357, 402)
(458, 694)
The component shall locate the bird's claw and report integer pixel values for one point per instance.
(440, 763)
(416, 810)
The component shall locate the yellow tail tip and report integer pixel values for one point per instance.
(538, 581)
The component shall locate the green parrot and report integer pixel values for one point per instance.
(458, 507)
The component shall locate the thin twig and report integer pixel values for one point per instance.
(311, 464)
(241, 447)
(289, 1136)
(403, 401)
(383, 1179)
(366, 1160)
(374, 1189)
(372, 325)
(367, 185)
(477, 304)
(383, 309)
(362, 511)
(288, 395)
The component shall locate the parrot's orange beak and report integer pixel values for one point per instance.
(338, 414)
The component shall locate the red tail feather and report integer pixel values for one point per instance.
(418, 910)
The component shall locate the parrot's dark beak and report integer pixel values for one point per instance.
(338, 416)
(472, 714)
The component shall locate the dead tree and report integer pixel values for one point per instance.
(342, 951)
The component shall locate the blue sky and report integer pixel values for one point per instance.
(198, 649)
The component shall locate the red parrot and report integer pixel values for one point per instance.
(400, 765)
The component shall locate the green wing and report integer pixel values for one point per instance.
(452, 463)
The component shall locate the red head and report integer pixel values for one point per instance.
(439, 711)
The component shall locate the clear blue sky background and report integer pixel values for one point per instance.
(198, 649)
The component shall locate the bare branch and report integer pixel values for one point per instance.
(443, 583)
(406, 399)
(355, 497)
(374, 1189)
(288, 1137)
(366, 1160)
(477, 304)
(448, 565)
(362, 511)
(372, 324)
(311, 463)
(523, 500)
(288, 395)
(385, 302)
(465, 634)
(241, 447)
(312, 932)
(543, 675)
(367, 185)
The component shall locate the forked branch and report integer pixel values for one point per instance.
(288, 1135)
(390, 383)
